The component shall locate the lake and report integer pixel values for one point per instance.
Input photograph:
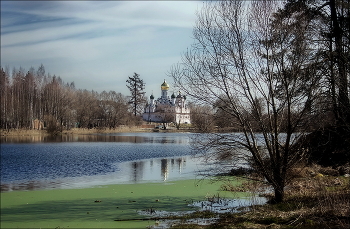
(108, 181)
(81, 161)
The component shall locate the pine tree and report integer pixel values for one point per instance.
(137, 98)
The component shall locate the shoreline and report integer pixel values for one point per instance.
(24, 132)
(122, 129)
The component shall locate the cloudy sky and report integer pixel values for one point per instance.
(98, 44)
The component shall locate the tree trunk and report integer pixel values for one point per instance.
(343, 81)
(279, 183)
(279, 195)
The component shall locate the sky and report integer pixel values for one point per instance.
(98, 44)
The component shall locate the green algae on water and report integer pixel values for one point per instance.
(99, 207)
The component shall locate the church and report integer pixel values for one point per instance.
(167, 109)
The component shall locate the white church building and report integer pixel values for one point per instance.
(167, 109)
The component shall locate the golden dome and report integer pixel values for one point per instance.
(165, 86)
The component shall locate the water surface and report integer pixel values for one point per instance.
(89, 160)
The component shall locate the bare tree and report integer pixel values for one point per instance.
(120, 108)
(39, 82)
(260, 74)
(57, 101)
(29, 96)
(166, 117)
(114, 108)
(4, 98)
(87, 109)
(202, 118)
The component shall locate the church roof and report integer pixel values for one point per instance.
(165, 86)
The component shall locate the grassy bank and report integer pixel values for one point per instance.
(315, 199)
(112, 206)
(121, 129)
(24, 132)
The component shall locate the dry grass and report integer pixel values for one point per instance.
(24, 132)
(120, 129)
(246, 186)
(312, 200)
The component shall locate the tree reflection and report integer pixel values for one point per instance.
(72, 138)
(137, 170)
(181, 139)
(164, 169)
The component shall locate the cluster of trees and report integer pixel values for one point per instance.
(206, 118)
(272, 70)
(29, 95)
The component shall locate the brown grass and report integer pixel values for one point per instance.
(24, 132)
(120, 129)
(312, 200)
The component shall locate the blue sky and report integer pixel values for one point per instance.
(98, 44)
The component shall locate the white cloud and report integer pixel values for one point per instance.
(97, 44)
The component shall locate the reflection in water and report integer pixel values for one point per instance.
(164, 169)
(181, 163)
(148, 170)
(73, 161)
(163, 138)
(137, 170)
(160, 169)
(72, 138)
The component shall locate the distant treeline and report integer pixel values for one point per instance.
(35, 100)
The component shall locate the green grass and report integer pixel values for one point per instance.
(76, 208)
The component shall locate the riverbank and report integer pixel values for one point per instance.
(121, 129)
(22, 136)
(23, 132)
(109, 206)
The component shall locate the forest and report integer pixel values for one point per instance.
(34, 95)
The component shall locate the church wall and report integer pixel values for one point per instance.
(183, 118)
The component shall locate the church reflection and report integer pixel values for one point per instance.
(156, 169)
(164, 169)
(140, 138)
